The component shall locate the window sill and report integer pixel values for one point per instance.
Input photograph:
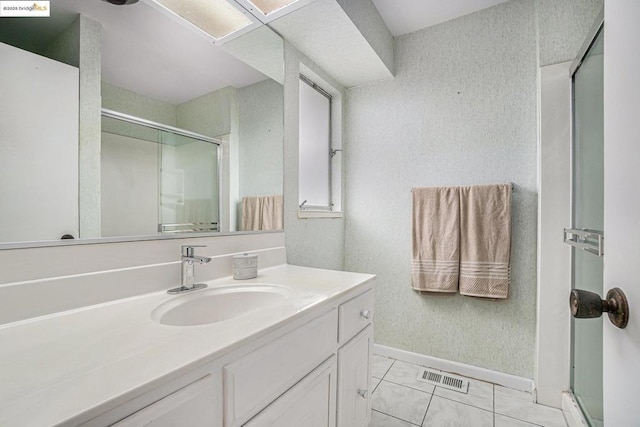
(309, 214)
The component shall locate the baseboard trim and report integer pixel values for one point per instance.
(572, 412)
(506, 380)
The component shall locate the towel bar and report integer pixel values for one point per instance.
(188, 227)
(591, 241)
(509, 183)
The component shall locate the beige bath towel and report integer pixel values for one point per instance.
(436, 235)
(485, 242)
(262, 213)
(272, 213)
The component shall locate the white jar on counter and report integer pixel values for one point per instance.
(245, 266)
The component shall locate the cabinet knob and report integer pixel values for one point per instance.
(363, 393)
(365, 314)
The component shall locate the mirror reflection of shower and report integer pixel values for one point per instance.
(157, 179)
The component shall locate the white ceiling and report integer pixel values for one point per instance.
(148, 53)
(406, 16)
(143, 50)
(326, 34)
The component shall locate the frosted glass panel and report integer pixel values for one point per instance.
(189, 184)
(129, 185)
(156, 181)
(588, 202)
(314, 147)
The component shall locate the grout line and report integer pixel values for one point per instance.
(408, 386)
(388, 369)
(392, 416)
(427, 411)
(493, 393)
(377, 385)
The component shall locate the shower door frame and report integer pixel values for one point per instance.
(596, 29)
(182, 132)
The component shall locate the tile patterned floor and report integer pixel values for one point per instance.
(400, 400)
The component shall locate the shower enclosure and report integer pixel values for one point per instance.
(156, 178)
(587, 233)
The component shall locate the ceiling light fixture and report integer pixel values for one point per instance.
(269, 10)
(121, 2)
(270, 6)
(218, 18)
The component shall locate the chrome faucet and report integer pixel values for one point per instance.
(188, 259)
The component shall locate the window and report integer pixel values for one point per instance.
(316, 154)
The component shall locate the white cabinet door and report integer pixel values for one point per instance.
(191, 406)
(310, 403)
(354, 380)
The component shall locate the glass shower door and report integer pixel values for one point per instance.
(189, 184)
(588, 215)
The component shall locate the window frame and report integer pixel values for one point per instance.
(303, 206)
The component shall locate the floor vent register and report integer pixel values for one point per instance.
(448, 381)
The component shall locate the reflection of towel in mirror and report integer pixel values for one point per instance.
(262, 213)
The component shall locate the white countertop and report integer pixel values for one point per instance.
(56, 367)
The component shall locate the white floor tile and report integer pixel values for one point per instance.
(406, 374)
(502, 421)
(520, 405)
(380, 365)
(378, 419)
(401, 402)
(480, 394)
(447, 413)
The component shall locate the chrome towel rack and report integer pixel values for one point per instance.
(188, 227)
(591, 241)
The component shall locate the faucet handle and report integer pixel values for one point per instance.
(189, 250)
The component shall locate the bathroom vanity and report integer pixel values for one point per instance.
(302, 359)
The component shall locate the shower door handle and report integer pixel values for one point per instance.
(589, 305)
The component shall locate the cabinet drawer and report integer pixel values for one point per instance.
(191, 406)
(355, 315)
(310, 403)
(258, 378)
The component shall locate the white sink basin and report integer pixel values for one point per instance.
(219, 304)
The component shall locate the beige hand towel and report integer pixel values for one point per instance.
(485, 243)
(262, 213)
(272, 213)
(436, 235)
(250, 214)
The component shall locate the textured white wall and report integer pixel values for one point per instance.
(213, 114)
(80, 45)
(461, 111)
(260, 133)
(310, 242)
(562, 27)
(132, 103)
(89, 154)
(367, 19)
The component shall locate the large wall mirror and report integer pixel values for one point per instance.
(128, 121)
